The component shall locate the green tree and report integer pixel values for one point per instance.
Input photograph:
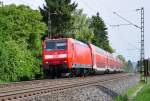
(130, 66)
(121, 58)
(100, 33)
(81, 28)
(125, 64)
(60, 14)
(19, 42)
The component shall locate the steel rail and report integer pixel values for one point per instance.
(37, 83)
(22, 93)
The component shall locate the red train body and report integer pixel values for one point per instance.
(71, 56)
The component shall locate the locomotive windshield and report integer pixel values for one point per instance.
(56, 45)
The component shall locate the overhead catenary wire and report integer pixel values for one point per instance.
(133, 46)
(88, 6)
(118, 25)
(126, 11)
(126, 20)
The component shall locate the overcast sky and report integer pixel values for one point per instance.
(125, 39)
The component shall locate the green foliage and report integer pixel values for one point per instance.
(132, 90)
(3, 82)
(16, 62)
(61, 18)
(81, 28)
(121, 58)
(144, 94)
(121, 98)
(91, 30)
(125, 63)
(100, 33)
(19, 42)
(130, 66)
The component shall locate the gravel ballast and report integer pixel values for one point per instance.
(99, 92)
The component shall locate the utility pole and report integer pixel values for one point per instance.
(49, 25)
(143, 69)
(1, 3)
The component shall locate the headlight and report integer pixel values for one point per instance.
(48, 56)
(62, 55)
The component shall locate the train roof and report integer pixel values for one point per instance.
(58, 38)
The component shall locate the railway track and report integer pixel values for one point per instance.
(16, 94)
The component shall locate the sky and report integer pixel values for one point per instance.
(124, 39)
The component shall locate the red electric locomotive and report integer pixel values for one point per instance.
(69, 56)
(64, 56)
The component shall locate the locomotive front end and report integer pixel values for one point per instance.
(55, 55)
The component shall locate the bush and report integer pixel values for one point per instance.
(18, 49)
(121, 98)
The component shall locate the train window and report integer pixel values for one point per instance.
(61, 46)
(50, 45)
(56, 45)
(80, 43)
(99, 50)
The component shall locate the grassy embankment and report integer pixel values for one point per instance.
(2, 82)
(139, 92)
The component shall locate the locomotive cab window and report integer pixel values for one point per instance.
(56, 45)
